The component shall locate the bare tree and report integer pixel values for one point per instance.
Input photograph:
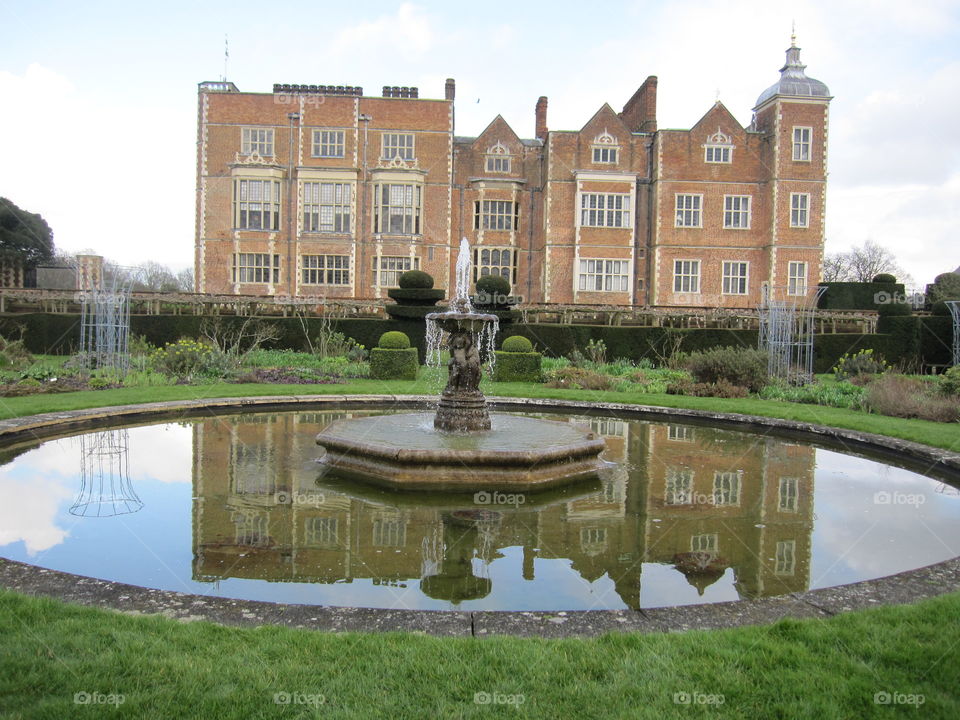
(836, 267)
(861, 264)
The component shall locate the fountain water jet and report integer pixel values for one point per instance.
(464, 447)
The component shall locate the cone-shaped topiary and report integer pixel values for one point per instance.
(416, 279)
(517, 343)
(394, 340)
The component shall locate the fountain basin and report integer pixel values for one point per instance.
(461, 321)
(406, 452)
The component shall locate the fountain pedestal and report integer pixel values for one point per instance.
(462, 407)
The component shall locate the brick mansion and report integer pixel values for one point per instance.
(322, 191)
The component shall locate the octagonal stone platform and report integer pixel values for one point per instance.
(516, 454)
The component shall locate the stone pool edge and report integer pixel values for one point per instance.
(906, 587)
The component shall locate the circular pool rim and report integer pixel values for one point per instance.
(905, 587)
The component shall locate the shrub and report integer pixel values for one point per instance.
(517, 366)
(884, 278)
(722, 388)
(900, 396)
(394, 340)
(187, 358)
(517, 344)
(494, 285)
(416, 296)
(744, 367)
(578, 378)
(862, 363)
(597, 351)
(415, 279)
(840, 394)
(394, 364)
(950, 381)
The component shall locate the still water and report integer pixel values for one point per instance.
(238, 507)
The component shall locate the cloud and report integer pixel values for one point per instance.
(407, 32)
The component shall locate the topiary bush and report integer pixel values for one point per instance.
(394, 363)
(743, 367)
(517, 366)
(492, 290)
(884, 278)
(416, 279)
(517, 344)
(394, 340)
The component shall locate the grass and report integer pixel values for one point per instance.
(795, 669)
(820, 669)
(942, 435)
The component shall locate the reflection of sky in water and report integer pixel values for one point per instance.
(854, 536)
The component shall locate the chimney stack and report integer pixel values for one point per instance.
(542, 118)
(450, 89)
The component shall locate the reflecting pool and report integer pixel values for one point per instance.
(237, 506)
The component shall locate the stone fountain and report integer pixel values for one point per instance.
(462, 447)
(462, 407)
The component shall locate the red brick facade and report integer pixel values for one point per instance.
(324, 192)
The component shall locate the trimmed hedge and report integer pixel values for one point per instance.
(633, 343)
(856, 295)
(394, 340)
(389, 364)
(413, 312)
(910, 338)
(517, 344)
(517, 366)
(415, 279)
(416, 296)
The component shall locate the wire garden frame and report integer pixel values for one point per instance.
(954, 306)
(105, 327)
(105, 489)
(786, 331)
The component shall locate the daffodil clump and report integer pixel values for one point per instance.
(183, 358)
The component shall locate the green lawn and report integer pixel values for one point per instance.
(943, 435)
(50, 652)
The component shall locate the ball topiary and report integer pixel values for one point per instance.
(416, 279)
(884, 278)
(517, 343)
(394, 340)
(493, 290)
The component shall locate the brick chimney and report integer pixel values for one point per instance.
(542, 118)
(640, 112)
(450, 89)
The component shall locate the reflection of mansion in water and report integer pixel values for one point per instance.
(701, 500)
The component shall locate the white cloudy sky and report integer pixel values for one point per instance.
(99, 98)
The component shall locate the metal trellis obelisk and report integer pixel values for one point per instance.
(954, 306)
(786, 331)
(105, 488)
(105, 327)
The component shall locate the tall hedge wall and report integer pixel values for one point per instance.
(856, 295)
(910, 339)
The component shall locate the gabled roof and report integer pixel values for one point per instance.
(718, 116)
(607, 117)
